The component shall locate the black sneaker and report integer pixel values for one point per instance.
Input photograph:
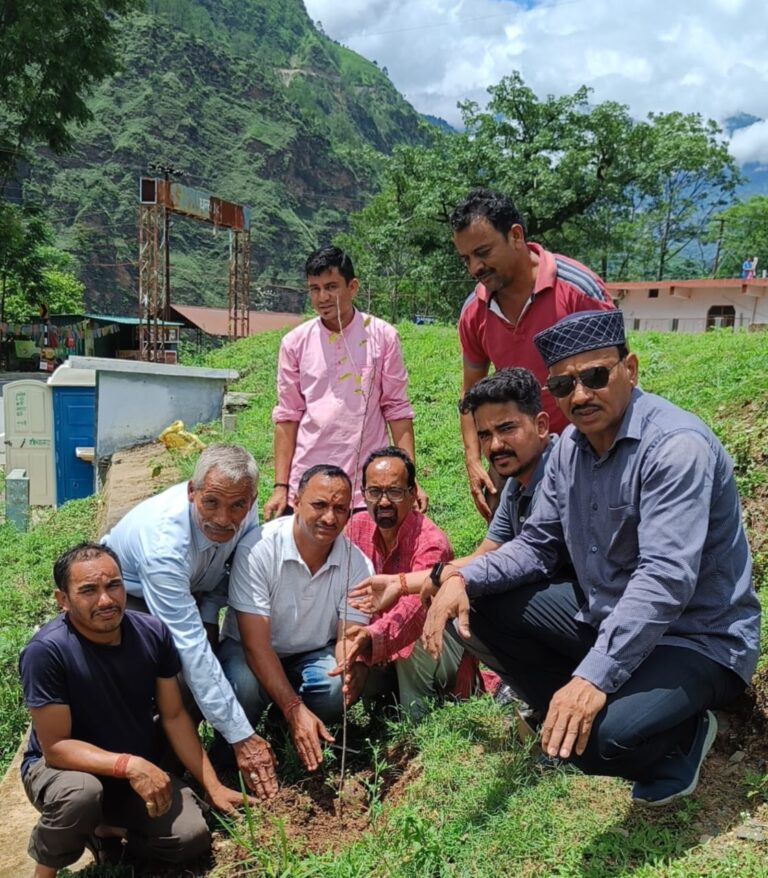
(681, 771)
(106, 851)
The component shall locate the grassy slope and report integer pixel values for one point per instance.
(477, 808)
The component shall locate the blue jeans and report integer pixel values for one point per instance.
(307, 673)
(537, 643)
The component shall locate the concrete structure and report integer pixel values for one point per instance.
(692, 305)
(17, 498)
(136, 401)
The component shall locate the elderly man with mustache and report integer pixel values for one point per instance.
(173, 549)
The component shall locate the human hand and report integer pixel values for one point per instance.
(358, 646)
(421, 502)
(569, 719)
(276, 503)
(427, 593)
(256, 762)
(375, 594)
(479, 483)
(450, 602)
(306, 732)
(227, 800)
(151, 783)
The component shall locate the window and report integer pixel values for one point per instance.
(721, 315)
(653, 294)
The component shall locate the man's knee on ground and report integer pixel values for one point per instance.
(194, 838)
(187, 839)
(615, 739)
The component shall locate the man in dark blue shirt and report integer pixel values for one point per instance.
(93, 680)
(642, 497)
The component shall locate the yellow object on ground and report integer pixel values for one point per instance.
(175, 436)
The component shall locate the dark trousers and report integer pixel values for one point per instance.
(73, 803)
(533, 634)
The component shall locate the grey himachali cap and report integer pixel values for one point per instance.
(580, 332)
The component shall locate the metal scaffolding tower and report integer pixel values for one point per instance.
(159, 198)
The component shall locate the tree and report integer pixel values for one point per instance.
(687, 176)
(32, 270)
(51, 54)
(629, 198)
(741, 232)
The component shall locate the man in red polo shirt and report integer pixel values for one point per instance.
(522, 289)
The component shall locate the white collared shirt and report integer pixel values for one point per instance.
(269, 578)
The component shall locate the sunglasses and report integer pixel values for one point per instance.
(594, 378)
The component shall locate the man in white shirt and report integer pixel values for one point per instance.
(288, 614)
(173, 549)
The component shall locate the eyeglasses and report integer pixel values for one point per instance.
(594, 378)
(394, 495)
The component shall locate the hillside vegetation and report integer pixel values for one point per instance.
(472, 802)
(258, 107)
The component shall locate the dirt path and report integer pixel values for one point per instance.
(130, 479)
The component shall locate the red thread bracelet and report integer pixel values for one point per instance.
(119, 769)
(292, 705)
(403, 584)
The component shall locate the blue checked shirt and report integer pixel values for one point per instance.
(653, 528)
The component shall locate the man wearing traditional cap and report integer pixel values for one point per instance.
(641, 495)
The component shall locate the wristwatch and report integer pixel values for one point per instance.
(434, 573)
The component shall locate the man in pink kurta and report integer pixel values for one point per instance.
(341, 385)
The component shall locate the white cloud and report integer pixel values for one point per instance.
(750, 144)
(705, 56)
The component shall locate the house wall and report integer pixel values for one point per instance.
(135, 401)
(690, 314)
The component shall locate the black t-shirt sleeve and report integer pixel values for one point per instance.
(43, 676)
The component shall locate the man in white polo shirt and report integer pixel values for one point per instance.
(288, 612)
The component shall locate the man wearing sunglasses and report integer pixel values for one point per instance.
(641, 495)
(396, 539)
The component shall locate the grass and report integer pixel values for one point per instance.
(26, 599)
(477, 806)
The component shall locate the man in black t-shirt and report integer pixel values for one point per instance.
(94, 678)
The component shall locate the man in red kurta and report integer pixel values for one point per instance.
(398, 539)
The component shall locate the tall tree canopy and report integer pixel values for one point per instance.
(51, 53)
(632, 199)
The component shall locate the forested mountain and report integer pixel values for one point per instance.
(257, 106)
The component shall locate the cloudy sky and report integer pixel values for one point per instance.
(707, 56)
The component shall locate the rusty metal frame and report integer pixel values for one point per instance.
(239, 297)
(151, 337)
(159, 198)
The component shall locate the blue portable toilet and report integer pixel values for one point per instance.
(74, 431)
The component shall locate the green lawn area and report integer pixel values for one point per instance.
(476, 805)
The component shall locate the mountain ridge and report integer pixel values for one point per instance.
(258, 107)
